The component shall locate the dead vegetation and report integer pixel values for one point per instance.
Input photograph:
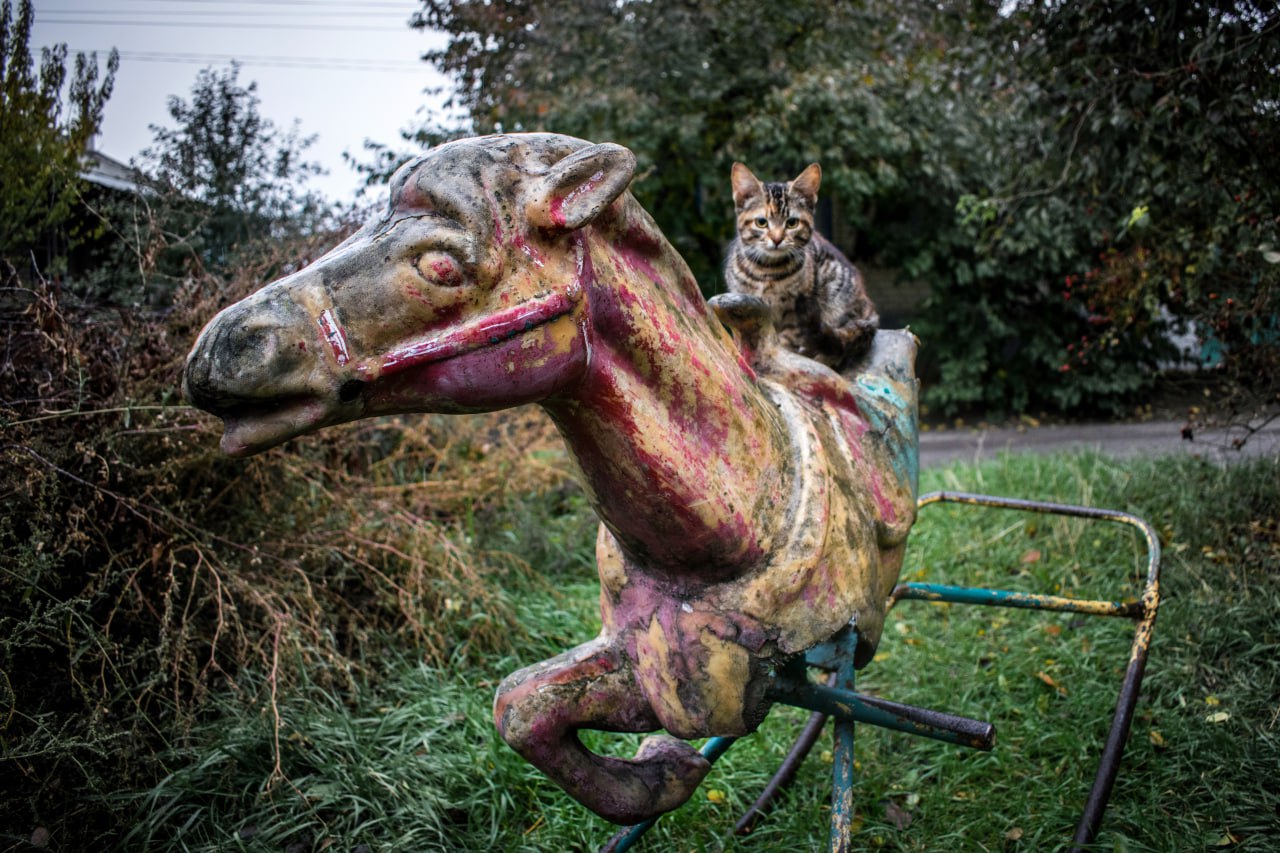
(140, 569)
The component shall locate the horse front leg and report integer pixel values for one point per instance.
(539, 710)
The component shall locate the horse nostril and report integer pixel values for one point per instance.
(350, 390)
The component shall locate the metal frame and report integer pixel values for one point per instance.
(838, 701)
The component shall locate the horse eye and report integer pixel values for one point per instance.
(761, 222)
(438, 269)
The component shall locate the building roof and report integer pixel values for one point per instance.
(108, 172)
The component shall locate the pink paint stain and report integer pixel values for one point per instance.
(887, 512)
(446, 273)
(488, 331)
(638, 262)
(529, 251)
(557, 211)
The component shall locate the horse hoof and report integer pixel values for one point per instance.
(681, 769)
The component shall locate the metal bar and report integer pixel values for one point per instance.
(1109, 764)
(845, 705)
(786, 773)
(629, 835)
(1113, 749)
(842, 733)
(1008, 598)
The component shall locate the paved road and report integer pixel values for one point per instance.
(1116, 439)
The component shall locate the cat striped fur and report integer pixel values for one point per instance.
(816, 295)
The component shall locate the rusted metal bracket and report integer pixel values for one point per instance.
(837, 700)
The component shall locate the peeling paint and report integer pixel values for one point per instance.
(335, 336)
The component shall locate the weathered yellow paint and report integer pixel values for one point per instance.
(727, 672)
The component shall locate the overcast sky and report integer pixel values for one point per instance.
(349, 70)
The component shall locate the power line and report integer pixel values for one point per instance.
(254, 26)
(344, 4)
(313, 62)
(216, 13)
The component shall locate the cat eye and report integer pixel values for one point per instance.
(792, 222)
(761, 222)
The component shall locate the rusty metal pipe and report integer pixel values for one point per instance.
(848, 706)
(1109, 763)
(1113, 749)
(786, 773)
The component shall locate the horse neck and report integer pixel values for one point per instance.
(683, 458)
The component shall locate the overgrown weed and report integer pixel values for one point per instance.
(141, 571)
(1048, 682)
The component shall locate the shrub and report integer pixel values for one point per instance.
(140, 569)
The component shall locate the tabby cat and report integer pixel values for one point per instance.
(819, 304)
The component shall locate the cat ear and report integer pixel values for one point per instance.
(808, 182)
(580, 186)
(745, 185)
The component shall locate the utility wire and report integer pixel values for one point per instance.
(255, 26)
(275, 61)
(344, 4)
(217, 13)
(326, 62)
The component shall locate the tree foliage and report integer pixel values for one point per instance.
(691, 86)
(1136, 192)
(224, 175)
(1069, 179)
(42, 138)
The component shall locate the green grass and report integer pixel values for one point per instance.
(412, 762)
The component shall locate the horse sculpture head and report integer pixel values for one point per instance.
(752, 502)
(448, 302)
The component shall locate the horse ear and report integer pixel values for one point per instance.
(745, 185)
(808, 182)
(580, 186)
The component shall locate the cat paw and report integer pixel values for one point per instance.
(741, 311)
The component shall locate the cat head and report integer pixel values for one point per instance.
(775, 219)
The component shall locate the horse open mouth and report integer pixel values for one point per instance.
(250, 428)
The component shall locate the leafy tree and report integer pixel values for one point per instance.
(1138, 187)
(691, 86)
(42, 140)
(225, 176)
(1006, 154)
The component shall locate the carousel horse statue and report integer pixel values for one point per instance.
(753, 503)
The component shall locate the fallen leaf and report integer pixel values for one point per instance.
(896, 815)
(1212, 700)
(1014, 834)
(1031, 556)
(1053, 630)
(1228, 839)
(1218, 717)
(716, 796)
(1156, 738)
(1047, 679)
